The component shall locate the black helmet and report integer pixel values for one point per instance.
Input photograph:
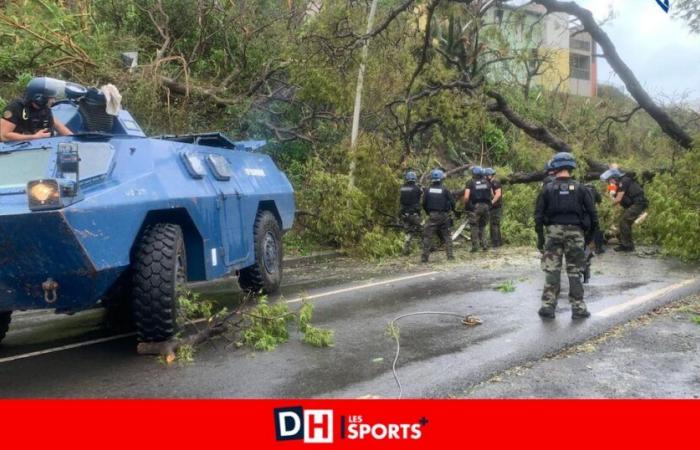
(563, 160)
(40, 90)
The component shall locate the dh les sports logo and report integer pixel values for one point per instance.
(664, 4)
(316, 426)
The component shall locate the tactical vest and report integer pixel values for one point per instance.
(436, 199)
(410, 198)
(564, 204)
(634, 194)
(480, 191)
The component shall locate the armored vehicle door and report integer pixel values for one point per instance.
(231, 211)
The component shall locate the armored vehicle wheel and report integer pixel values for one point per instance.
(159, 268)
(266, 274)
(5, 319)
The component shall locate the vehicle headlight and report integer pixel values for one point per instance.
(43, 194)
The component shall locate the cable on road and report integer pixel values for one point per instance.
(467, 320)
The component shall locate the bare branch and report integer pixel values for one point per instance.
(664, 120)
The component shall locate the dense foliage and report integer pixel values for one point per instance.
(285, 70)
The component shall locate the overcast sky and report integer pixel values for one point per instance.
(659, 49)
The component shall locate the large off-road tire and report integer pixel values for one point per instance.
(159, 270)
(266, 274)
(5, 319)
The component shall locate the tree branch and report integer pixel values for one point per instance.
(537, 132)
(667, 124)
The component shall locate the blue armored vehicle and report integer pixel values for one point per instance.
(110, 215)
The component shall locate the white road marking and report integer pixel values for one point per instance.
(122, 336)
(607, 312)
(65, 347)
(362, 286)
(616, 309)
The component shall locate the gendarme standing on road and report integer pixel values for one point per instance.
(410, 209)
(562, 208)
(496, 213)
(477, 196)
(437, 203)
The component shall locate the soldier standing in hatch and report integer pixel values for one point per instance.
(437, 203)
(630, 196)
(496, 212)
(562, 207)
(478, 195)
(410, 209)
(30, 117)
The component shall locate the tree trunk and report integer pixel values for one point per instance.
(358, 94)
(667, 124)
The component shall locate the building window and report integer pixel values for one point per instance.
(580, 66)
(580, 44)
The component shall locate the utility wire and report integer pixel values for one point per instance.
(392, 327)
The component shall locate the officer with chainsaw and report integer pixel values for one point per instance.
(478, 195)
(30, 117)
(630, 195)
(410, 209)
(496, 212)
(437, 203)
(561, 209)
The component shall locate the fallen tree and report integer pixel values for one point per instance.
(634, 87)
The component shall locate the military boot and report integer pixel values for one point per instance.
(624, 248)
(546, 311)
(580, 313)
(579, 310)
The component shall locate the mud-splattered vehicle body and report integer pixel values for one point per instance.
(110, 215)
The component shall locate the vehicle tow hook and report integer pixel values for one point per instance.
(50, 287)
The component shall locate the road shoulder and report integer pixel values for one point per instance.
(654, 356)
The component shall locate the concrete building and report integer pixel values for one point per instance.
(583, 68)
(562, 57)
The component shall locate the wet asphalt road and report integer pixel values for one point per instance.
(439, 357)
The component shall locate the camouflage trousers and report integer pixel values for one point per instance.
(438, 222)
(478, 218)
(626, 221)
(495, 226)
(412, 227)
(563, 241)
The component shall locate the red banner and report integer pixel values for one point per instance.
(386, 424)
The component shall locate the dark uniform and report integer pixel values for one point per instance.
(437, 203)
(634, 202)
(495, 216)
(26, 118)
(593, 236)
(480, 195)
(410, 213)
(562, 209)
